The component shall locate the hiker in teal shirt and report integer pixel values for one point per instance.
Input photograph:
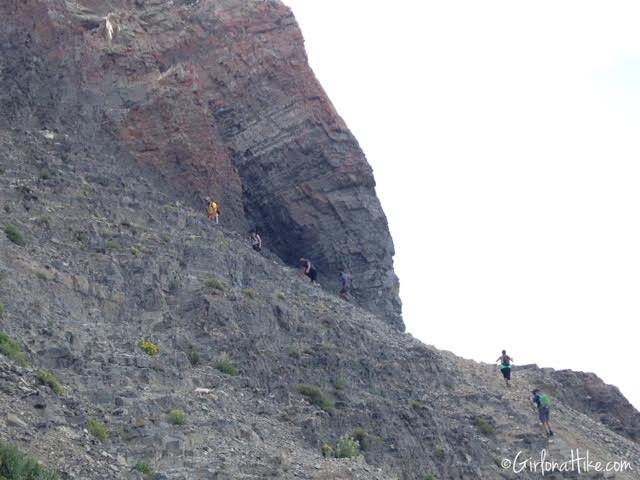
(505, 366)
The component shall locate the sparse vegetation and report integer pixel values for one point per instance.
(485, 427)
(111, 245)
(194, 357)
(215, 284)
(148, 347)
(143, 468)
(177, 417)
(49, 379)
(10, 349)
(249, 292)
(280, 295)
(316, 397)
(1, 310)
(125, 433)
(15, 465)
(223, 363)
(327, 450)
(365, 439)
(429, 476)
(80, 237)
(294, 351)
(45, 174)
(347, 447)
(41, 276)
(438, 453)
(13, 234)
(97, 429)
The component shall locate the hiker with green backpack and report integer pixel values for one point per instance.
(542, 401)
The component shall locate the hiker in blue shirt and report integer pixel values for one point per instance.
(542, 401)
(345, 280)
(505, 366)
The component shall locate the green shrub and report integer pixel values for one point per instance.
(365, 439)
(485, 427)
(97, 429)
(429, 476)
(280, 295)
(340, 384)
(497, 461)
(347, 447)
(125, 433)
(143, 468)
(327, 450)
(13, 234)
(296, 350)
(293, 351)
(10, 349)
(1, 310)
(249, 292)
(177, 417)
(148, 347)
(438, 453)
(194, 357)
(48, 379)
(316, 397)
(111, 245)
(214, 283)
(41, 276)
(15, 465)
(45, 174)
(223, 363)
(80, 237)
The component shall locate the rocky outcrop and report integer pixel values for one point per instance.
(114, 113)
(214, 97)
(107, 262)
(587, 393)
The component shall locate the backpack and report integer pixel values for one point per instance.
(505, 362)
(545, 401)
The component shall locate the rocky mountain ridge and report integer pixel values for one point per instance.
(110, 260)
(215, 97)
(265, 368)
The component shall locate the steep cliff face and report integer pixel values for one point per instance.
(114, 113)
(108, 261)
(215, 97)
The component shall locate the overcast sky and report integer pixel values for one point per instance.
(504, 138)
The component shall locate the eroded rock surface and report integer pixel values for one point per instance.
(109, 260)
(215, 97)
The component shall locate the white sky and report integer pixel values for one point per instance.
(504, 138)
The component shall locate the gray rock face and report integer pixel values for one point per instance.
(116, 115)
(110, 261)
(215, 97)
